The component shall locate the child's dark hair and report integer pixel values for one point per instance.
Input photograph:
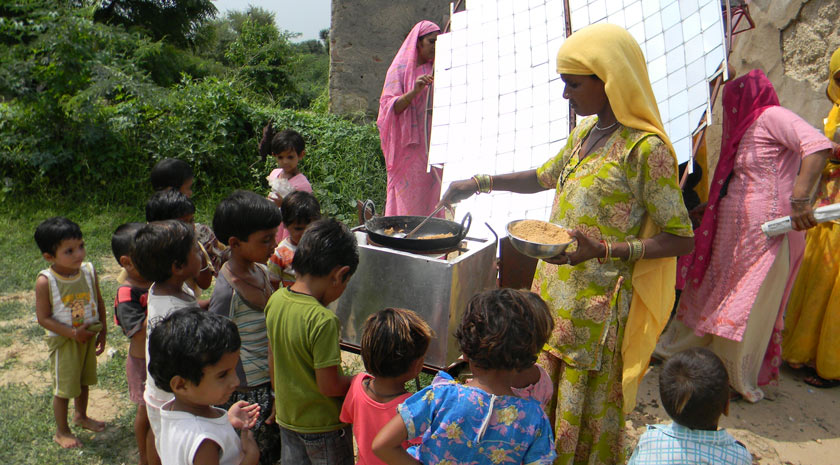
(278, 142)
(243, 213)
(168, 205)
(300, 207)
(544, 323)
(326, 244)
(694, 388)
(170, 173)
(159, 245)
(186, 341)
(122, 242)
(392, 339)
(497, 330)
(50, 233)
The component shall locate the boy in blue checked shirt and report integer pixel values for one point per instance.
(694, 388)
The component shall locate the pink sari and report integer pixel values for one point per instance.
(411, 190)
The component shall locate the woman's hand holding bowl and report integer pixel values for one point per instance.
(587, 249)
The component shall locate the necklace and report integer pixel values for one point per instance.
(241, 279)
(369, 385)
(608, 127)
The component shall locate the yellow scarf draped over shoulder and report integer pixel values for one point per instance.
(611, 53)
(833, 92)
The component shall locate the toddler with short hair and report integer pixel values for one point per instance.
(165, 253)
(394, 344)
(694, 389)
(68, 305)
(193, 355)
(299, 209)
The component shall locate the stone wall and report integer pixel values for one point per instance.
(364, 37)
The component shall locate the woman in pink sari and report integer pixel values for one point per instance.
(737, 280)
(403, 126)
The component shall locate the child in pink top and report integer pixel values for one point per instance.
(394, 343)
(534, 382)
(288, 148)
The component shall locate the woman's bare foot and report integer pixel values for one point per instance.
(90, 424)
(66, 441)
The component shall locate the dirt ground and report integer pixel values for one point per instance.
(795, 424)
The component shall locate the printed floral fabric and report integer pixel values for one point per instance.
(450, 418)
(606, 197)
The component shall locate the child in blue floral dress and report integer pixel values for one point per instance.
(481, 421)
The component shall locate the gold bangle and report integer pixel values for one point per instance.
(609, 250)
(643, 249)
(484, 182)
(477, 184)
(635, 249)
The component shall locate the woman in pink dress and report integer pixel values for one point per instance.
(737, 280)
(403, 126)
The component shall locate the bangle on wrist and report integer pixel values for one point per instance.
(607, 252)
(477, 185)
(484, 183)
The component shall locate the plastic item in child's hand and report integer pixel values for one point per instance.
(280, 187)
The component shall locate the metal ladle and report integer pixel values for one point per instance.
(417, 228)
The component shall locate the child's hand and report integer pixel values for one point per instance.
(249, 447)
(100, 342)
(242, 415)
(81, 334)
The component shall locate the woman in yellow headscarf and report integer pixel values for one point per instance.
(812, 323)
(615, 181)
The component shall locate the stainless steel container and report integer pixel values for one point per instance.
(436, 287)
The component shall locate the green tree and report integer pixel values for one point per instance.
(175, 21)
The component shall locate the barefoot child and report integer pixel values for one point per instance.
(193, 355)
(165, 253)
(481, 421)
(394, 344)
(304, 355)
(69, 306)
(694, 389)
(299, 209)
(130, 316)
(247, 223)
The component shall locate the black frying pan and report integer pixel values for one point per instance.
(376, 226)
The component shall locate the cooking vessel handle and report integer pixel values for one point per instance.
(368, 205)
(465, 226)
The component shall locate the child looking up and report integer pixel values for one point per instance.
(130, 316)
(481, 421)
(193, 355)
(288, 148)
(165, 253)
(304, 355)
(394, 343)
(299, 209)
(247, 223)
(69, 307)
(694, 388)
(173, 205)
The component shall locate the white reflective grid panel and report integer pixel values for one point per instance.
(498, 104)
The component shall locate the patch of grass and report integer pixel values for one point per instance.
(14, 309)
(111, 373)
(28, 428)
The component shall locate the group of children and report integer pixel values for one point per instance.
(263, 356)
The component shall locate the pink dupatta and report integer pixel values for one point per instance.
(400, 130)
(744, 100)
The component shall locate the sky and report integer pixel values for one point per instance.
(307, 17)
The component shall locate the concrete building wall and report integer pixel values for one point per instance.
(792, 43)
(364, 37)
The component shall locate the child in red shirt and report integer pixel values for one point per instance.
(394, 344)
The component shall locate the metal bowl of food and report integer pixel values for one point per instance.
(538, 239)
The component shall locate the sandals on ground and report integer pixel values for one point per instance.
(819, 382)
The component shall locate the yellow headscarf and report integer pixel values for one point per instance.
(833, 92)
(611, 53)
